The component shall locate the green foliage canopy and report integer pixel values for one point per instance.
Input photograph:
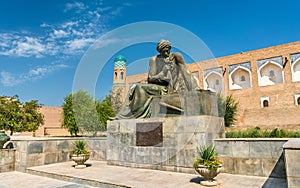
(81, 113)
(105, 110)
(19, 117)
(69, 121)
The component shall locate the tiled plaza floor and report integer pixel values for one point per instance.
(100, 172)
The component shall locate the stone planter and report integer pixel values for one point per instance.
(208, 175)
(80, 160)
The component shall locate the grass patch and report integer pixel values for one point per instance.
(267, 133)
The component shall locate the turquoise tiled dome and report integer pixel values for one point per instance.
(120, 61)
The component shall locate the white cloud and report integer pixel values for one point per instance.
(94, 14)
(44, 25)
(3, 44)
(77, 6)
(6, 39)
(38, 71)
(52, 48)
(69, 38)
(30, 46)
(78, 44)
(59, 34)
(9, 79)
(24, 47)
(69, 24)
(59, 42)
(78, 33)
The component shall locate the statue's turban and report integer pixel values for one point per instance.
(162, 44)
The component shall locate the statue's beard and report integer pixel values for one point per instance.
(166, 53)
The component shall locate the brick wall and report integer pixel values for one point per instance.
(52, 126)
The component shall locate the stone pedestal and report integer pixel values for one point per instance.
(179, 137)
(292, 161)
(192, 103)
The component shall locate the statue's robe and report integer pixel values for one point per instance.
(165, 76)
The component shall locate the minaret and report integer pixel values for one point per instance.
(119, 86)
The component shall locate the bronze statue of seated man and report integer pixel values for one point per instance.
(168, 75)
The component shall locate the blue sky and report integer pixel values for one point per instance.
(46, 46)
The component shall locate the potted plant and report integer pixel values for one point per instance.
(207, 164)
(80, 153)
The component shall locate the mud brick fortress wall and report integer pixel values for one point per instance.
(265, 82)
(52, 125)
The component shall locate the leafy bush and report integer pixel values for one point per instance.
(80, 148)
(207, 156)
(227, 108)
(258, 133)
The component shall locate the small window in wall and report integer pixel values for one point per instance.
(122, 75)
(243, 79)
(116, 74)
(297, 99)
(265, 102)
(217, 82)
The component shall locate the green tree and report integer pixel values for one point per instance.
(86, 116)
(32, 118)
(81, 113)
(105, 111)
(227, 108)
(69, 121)
(18, 117)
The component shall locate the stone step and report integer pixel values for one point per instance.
(99, 174)
(66, 172)
(15, 179)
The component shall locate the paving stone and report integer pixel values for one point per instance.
(99, 173)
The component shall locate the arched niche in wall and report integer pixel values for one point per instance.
(270, 73)
(214, 81)
(296, 70)
(265, 102)
(240, 78)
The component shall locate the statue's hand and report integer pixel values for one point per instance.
(165, 69)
